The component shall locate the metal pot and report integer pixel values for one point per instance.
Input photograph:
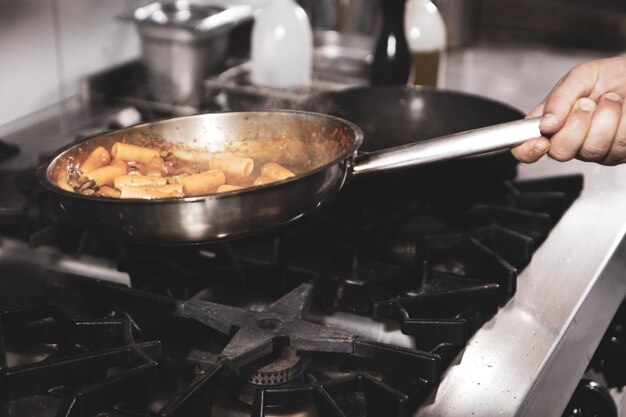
(182, 44)
(327, 144)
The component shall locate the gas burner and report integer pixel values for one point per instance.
(258, 331)
(285, 366)
(281, 324)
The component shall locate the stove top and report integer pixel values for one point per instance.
(479, 281)
(355, 310)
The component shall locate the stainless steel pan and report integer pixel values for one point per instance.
(325, 146)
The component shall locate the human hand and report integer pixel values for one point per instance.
(585, 116)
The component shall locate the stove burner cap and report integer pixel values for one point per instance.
(284, 366)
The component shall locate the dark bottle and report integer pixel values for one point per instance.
(392, 60)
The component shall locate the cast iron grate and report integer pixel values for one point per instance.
(439, 271)
(431, 274)
(28, 213)
(113, 349)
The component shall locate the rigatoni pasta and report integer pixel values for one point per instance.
(137, 180)
(107, 191)
(119, 163)
(127, 152)
(152, 191)
(104, 175)
(203, 182)
(228, 188)
(233, 165)
(129, 171)
(263, 180)
(96, 159)
(276, 171)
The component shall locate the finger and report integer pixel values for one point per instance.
(599, 140)
(617, 154)
(531, 150)
(538, 112)
(578, 83)
(567, 142)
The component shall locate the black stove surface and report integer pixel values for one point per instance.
(356, 310)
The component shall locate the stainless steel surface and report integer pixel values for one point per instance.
(475, 142)
(182, 44)
(186, 21)
(325, 141)
(384, 331)
(16, 255)
(512, 69)
(529, 358)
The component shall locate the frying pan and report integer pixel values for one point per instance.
(396, 115)
(328, 146)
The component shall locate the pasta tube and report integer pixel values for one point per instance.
(263, 180)
(98, 158)
(107, 191)
(119, 163)
(191, 155)
(233, 165)
(127, 152)
(276, 171)
(135, 180)
(227, 187)
(152, 191)
(202, 183)
(104, 175)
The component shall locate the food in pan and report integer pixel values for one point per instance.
(161, 171)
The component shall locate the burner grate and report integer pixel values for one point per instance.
(102, 361)
(365, 302)
(95, 363)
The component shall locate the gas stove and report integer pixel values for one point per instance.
(424, 301)
(475, 294)
(355, 312)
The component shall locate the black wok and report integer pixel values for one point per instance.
(395, 116)
(325, 145)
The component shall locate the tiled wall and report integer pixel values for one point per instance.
(46, 46)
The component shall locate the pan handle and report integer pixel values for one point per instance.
(473, 142)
